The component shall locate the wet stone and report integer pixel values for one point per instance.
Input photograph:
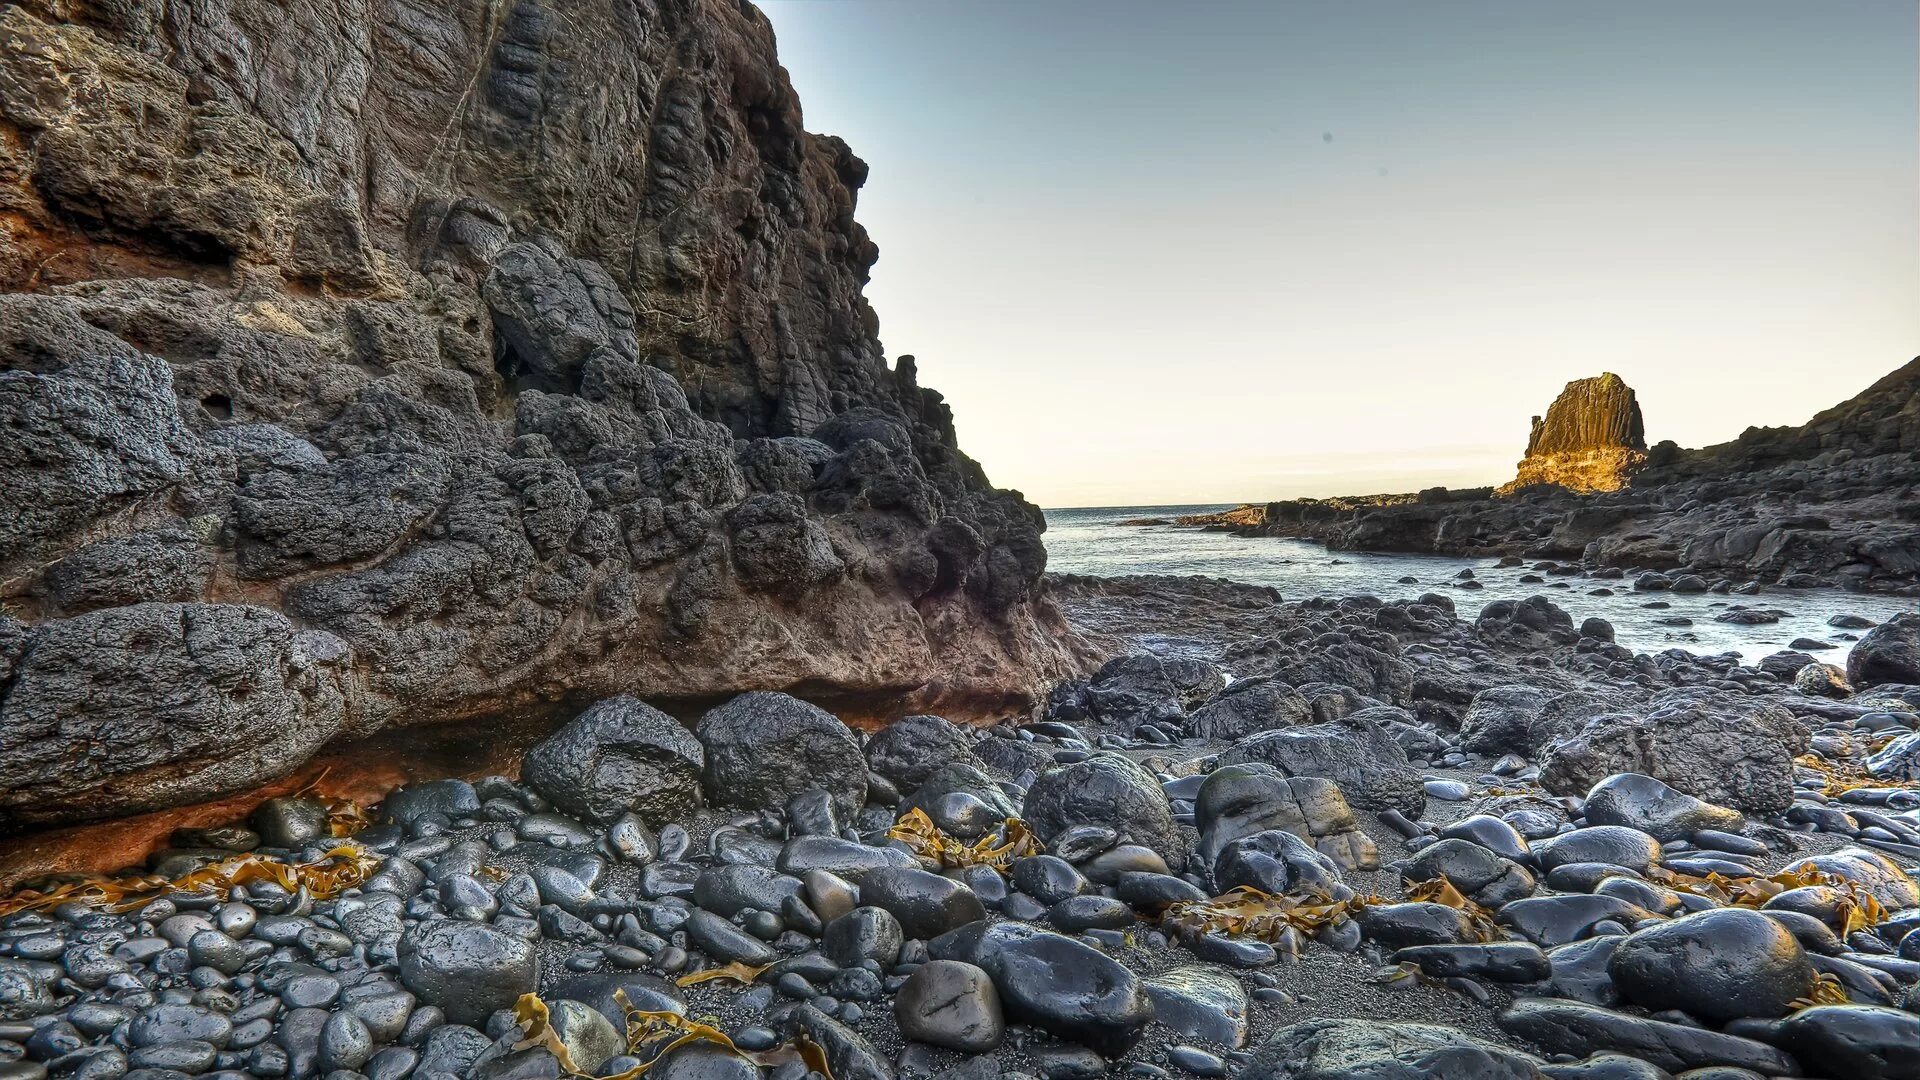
(951, 1004)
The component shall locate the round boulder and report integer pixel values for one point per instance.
(619, 755)
(1106, 789)
(1889, 653)
(951, 1004)
(763, 748)
(912, 748)
(1717, 965)
(467, 969)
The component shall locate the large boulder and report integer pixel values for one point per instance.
(1523, 720)
(912, 748)
(1532, 623)
(1340, 1048)
(1742, 760)
(619, 755)
(518, 413)
(1358, 755)
(135, 708)
(1138, 687)
(1641, 802)
(1064, 987)
(1717, 965)
(1249, 706)
(1106, 789)
(1578, 1030)
(763, 748)
(1889, 653)
(468, 970)
(1237, 801)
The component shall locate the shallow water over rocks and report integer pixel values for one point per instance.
(1094, 541)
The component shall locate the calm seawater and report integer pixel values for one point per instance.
(1092, 541)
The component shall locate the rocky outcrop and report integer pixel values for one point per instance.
(1833, 501)
(375, 367)
(1592, 439)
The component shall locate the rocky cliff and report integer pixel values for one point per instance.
(366, 367)
(1592, 439)
(1833, 501)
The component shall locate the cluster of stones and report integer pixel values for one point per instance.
(633, 850)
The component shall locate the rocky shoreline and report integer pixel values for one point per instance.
(1486, 845)
(1832, 502)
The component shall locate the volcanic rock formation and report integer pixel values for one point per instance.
(1591, 439)
(369, 366)
(1834, 501)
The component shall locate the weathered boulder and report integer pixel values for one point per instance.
(549, 382)
(1247, 707)
(1237, 801)
(1888, 653)
(1524, 720)
(1341, 1048)
(1643, 803)
(912, 748)
(763, 748)
(467, 969)
(1106, 789)
(1742, 760)
(1532, 623)
(1356, 754)
(619, 755)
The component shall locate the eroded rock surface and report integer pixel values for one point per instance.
(481, 359)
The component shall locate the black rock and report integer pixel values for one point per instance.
(1067, 989)
(620, 755)
(467, 970)
(1646, 804)
(1110, 790)
(1718, 965)
(1500, 961)
(726, 942)
(1047, 878)
(1564, 1027)
(1487, 879)
(911, 749)
(926, 904)
(1855, 1041)
(951, 1004)
(763, 748)
(1339, 1048)
(865, 933)
(1889, 653)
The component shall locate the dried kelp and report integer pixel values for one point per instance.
(1860, 910)
(1249, 912)
(1442, 891)
(341, 868)
(653, 1035)
(1012, 840)
(737, 971)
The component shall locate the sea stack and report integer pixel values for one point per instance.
(1592, 439)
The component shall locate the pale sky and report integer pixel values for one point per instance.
(1223, 252)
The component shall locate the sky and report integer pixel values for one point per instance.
(1224, 252)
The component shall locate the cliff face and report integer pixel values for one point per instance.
(1835, 500)
(373, 366)
(1592, 439)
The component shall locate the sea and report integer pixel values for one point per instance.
(1093, 540)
